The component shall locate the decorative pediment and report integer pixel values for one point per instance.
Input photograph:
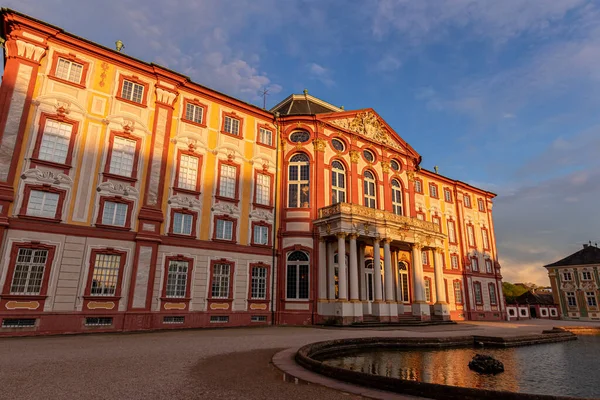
(45, 176)
(119, 189)
(367, 124)
(181, 201)
(261, 215)
(226, 209)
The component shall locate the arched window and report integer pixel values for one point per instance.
(338, 183)
(370, 288)
(297, 279)
(403, 282)
(396, 197)
(298, 181)
(369, 190)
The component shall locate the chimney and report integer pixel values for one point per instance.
(585, 245)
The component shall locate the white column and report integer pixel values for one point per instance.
(330, 272)
(342, 276)
(440, 292)
(417, 273)
(361, 268)
(353, 268)
(387, 265)
(377, 270)
(322, 269)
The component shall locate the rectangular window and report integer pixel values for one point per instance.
(265, 136)
(194, 113)
(488, 265)
(478, 294)
(418, 186)
(437, 222)
(114, 213)
(219, 319)
(421, 216)
(586, 276)
(448, 195)
(232, 126)
(480, 204)
(454, 261)
(493, 299)
(428, 290)
(471, 235)
(261, 234)
(105, 274)
(187, 176)
(571, 300)
(18, 322)
(297, 282)
(425, 257)
(451, 232)
(227, 181)
(404, 287)
(220, 281)
(122, 156)
(98, 321)
(42, 204)
(486, 239)
(177, 275)
(68, 70)
(457, 292)
(433, 190)
(56, 137)
(591, 299)
(182, 223)
(263, 189)
(259, 283)
(258, 318)
(173, 320)
(224, 229)
(467, 200)
(474, 264)
(29, 269)
(132, 91)
(567, 276)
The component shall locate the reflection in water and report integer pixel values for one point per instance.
(566, 369)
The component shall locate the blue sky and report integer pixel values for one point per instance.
(501, 94)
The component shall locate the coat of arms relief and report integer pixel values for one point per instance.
(368, 124)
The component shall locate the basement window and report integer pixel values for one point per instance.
(98, 321)
(18, 322)
(173, 320)
(219, 319)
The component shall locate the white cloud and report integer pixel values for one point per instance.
(388, 63)
(320, 73)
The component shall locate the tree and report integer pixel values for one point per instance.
(511, 291)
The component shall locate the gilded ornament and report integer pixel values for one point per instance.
(410, 175)
(354, 156)
(385, 167)
(319, 144)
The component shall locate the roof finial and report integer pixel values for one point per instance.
(341, 107)
(119, 45)
(305, 92)
(436, 169)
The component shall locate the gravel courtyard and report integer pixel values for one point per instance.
(189, 364)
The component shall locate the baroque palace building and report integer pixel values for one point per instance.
(132, 198)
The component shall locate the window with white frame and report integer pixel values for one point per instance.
(114, 213)
(467, 200)
(232, 125)
(448, 195)
(425, 257)
(433, 191)
(338, 183)
(105, 274)
(122, 156)
(437, 222)
(369, 187)
(259, 283)
(488, 265)
(418, 186)
(571, 299)
(297, 283)
(485, 238)
(471, 235)
(132, 91)
(421, 216)
(194, 113)
(493, 298)
(42, 204)
(478, 293)
(474, 264)
(480, 204)
(263, 189)
(224, 229)
(29, 269)
(403, 282)
(182, 223)
(298, 181)
(261, 234)
(68, 70)
(586, 275)
(553, 312)
(454, 261)
(567, 276)
(187, 176)
(265, 136)
(396, 197)
(428, 290)
(395, 165)
(591, 299)
(451, 232)
(220, 281)
(228, 181)
(177, 275)
(457, 292)
(56, 138)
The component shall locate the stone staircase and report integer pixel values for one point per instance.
(371, 321)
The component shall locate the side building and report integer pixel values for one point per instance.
(132, 198)
(575, 282)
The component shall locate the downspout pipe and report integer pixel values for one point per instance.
(274, 296)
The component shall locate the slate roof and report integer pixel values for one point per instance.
(588, 255)
(304, 105)
(534, 298)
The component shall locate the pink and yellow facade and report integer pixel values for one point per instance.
(132, 199)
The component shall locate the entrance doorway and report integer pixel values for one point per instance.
(370, 288)
(532, 312)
